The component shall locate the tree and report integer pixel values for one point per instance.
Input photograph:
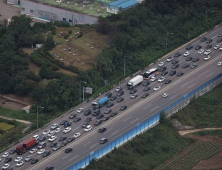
(49, 44)
(43, 71)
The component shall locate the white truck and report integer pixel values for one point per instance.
(135, 81)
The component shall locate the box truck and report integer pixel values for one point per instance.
(135, 81)
(100, 102)
(23, 148)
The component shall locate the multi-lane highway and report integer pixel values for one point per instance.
(139, 109)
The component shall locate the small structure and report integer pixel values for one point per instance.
(36, 47)
(27, 108)
(119, 5)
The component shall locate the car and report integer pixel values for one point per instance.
(110, 104)
(167, 81)
(209, 40)
(51, 133)
(57, 130)
(146, 83)
(41, 145)
(109, 94)
(206, 58)
(67, 150)
(67, 124)
(207, 52)
(180, 73)
(220, 49)
(53, 144)
(156, 88)
(8, 159)
(46, 153)
(5, 166)
(54, 126)
(77, 135)
(19, 158)
(133, 91)
(80, 110)
(76, 119)
(113, 114)
(88, 119)
(103, 140)
(40, 151)
(66, 130)
(42, 138)
(198, 47)
(189, 47)
(186, 54)
(172, 73)
(85, 124)
(193, 66)
(96, 107)
(208, 46)
(88, 112)
(120, 93)
(219, 35)
(62, 122)
(96, 112)
(70, 139)
(62, 138)
(108, 110)
(161, 64)
(113, 98)
(88, 128)
(189, 58)
(98, 122)
(164, 73)
(203, 39)
(175, 66)
(219, 39)
(12, 151)
(186, 65)
(161, 79)
(99, 116)
(28, 158)
(32, 151)
(161, 69)
(36, 137)
(105, 118)
(119, 99)
(71, 116)
(56, 147)
(175, 61)
(133, 96)
(45, 132)
(34, 161)
(124, 107)
(19, 163)
(216, 46)
(101, 130)
(5, 154)
(144, 95)
(49, 168)
(64, 143)
(201, 51)
(177, 54)
(153, 79)
(219, 63)
(165, 95)
(169, 59)
(195, 59)
(118, 89)
(146, 88)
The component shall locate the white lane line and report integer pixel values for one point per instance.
(73, 158)
(210, 74)
(87, 143)
(75, 129)
(94, 145)
(107, 130)
(185, 84)
(114, 133)
(155, 108)
(147, 107)
(202, 73)
(191, 85)
(65, 156)
(127, 119)
(134, 120)
(173, 97)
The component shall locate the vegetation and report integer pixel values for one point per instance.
(5, 126)
(217, 133)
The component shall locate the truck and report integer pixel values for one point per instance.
(23, 148)
(135, 81)
(100, 102)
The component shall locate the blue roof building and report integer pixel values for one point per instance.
(114, 7)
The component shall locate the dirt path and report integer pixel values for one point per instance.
(18, 120)
(184, 132)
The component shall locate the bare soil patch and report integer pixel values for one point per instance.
(11, 104)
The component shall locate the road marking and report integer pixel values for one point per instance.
(210, 74)
(73, 158)
(134, 120)
(107, 131)
(114, 133)
(94, 145)
(75, 129)
(202, 73)
(87, 143)
(155, 108)
(65, 156)
(173, 97)
(191, 85)
(147, 107)
(127, 119)
(185, 84)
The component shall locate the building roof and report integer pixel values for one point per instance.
(128, 4)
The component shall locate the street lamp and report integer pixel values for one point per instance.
(206, 14)
(167, 38)
(83, 89)
(38, 115)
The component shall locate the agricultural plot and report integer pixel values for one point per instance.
(5, 126)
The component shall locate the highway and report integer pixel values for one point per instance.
(138, 109)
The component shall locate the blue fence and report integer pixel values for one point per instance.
(137, 130)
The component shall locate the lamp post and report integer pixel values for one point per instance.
(83, 89)
(167, 38)
(38, 115)
(206, 15)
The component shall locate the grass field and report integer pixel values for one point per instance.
(5, 126)
(217, 133)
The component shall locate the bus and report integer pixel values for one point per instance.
(150, 73)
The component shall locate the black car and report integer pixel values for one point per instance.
(172, 72)
(198, 47)
(189, 47)
(109, 94)
(99, 116)
(120, 93)
(87, 112)
(145, 95)
(120, 99)
(73, 115)
(209, 40)
(101, 130)
(7, 160)
(96, 107)
(219, 39)
(195, 59)
(53, 144)
(167, 81)
(124, 107)
(180, 73)
(12, 151)
(67, 150)
(113, 114)
(67, 124)
(146, 83)
(113, 98)
(193, 66)
(70, 139)
(108, 110)
(164, 73)
(146, 88)
(174, 61)
(186, 65)
(33, 161)
(42, 138)
(175, 66)
(189, 58)
(98, 122)
(96, 112)
(85, 124)
(208, 46)
(64, 143)
(49, 168)
(203, 39)
(105, 118)
(177, 54)
(46, 153)
(133, 91)
(162, 68)
(62, 138)
(88, 119)
(62, 122)
(110, 104)
(76, 119)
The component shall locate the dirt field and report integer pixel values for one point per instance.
(11, 104)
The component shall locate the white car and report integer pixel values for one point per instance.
(207, 58)
(219, 63)
(186, 53)
(33, 151)
(6, 154)
(161, 79)
(201, 51)
(118, 89)
(207, 52)
(133, 96)
(156, 88)
(5, 166)
(36, 137)
(80, 110)
(51, 133)
(220, 48)
(19, 163)
(77, 135)
(41, 151)
(88, 128)
(57, 130)
(216, 46)
(161, 64)
(153, 79)
(66, 130)
(165, 95)
(17, 159)
(45, 132)
(52, 138)
(54, 126)
(169, 59)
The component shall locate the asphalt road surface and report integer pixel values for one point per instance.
(138, 109)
